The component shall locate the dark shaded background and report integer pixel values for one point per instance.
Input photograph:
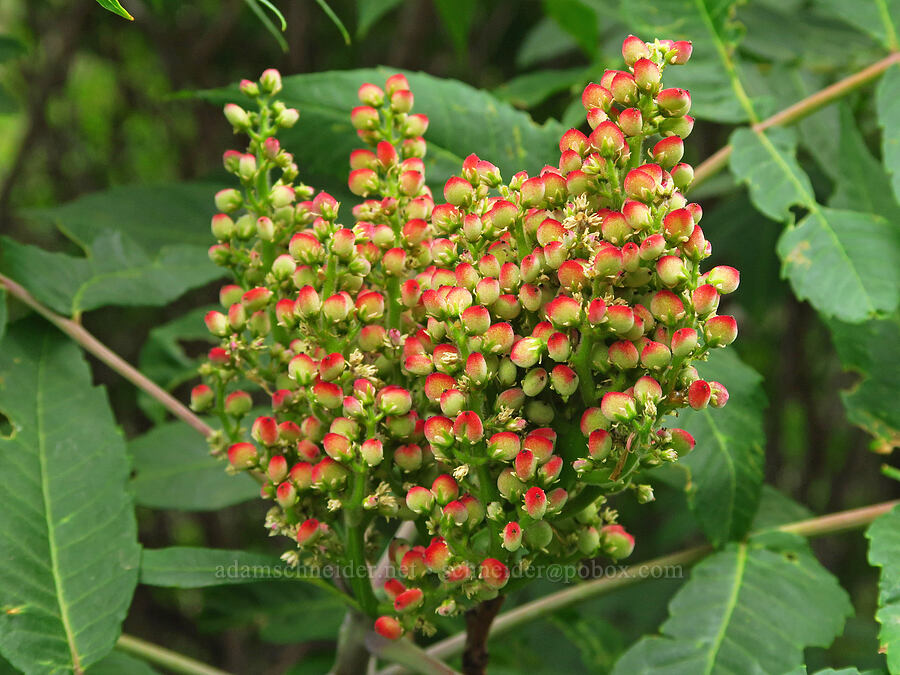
(97, 102)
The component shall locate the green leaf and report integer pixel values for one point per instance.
(368, 12)
(118, 663)
(884, 552)
(163, 358)
(462, 120)
(887, 102)
(116, 8)
(578, 19)
(847, 264)
(3, 313)
(751, 608)
(776, 509)
(712, 75)
(284, 613)
(174, 470)
(530, 89)
(861, 182)
(191, 567)
(767, 163)
(870, 349)
(117, 272)
(457, 16)
(830, 256)
(875, 17)
(726, 466)
(69, 535)
(543, 42)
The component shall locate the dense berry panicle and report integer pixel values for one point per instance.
(494, 366)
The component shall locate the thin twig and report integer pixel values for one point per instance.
(406, 652)
(84, 338)
(715, 163)
(173, 661)
(813, 527)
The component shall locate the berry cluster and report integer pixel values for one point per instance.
(492, 367)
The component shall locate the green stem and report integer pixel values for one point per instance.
(487, 494)
(798, 111)
(507, 621)
(352, 656)
(582, 363)
(160, 656)
(354, 526)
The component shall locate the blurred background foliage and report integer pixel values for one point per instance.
(110, 154)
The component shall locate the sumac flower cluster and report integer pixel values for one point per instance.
(492, 363)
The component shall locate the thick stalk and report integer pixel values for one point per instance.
(814, 527)
(478, 627)
(166, 658)
(798, 111)
(91, 344)
(352, 654)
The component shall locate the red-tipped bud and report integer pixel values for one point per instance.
(624, 89)
(596, 96)
(286, 495)
(394, 400)
(623, 355)
(724, 279)
(202, 397)
(388, 627)
(242, 456)
(327, 394)
(684, 342)
(718, 394)
(630, 122)
(408, 457)
(503, 446)
(608, 139)
(456, 512)
(409, 600)
(511, 537)
(699, 394)
(532, 192)
(599, 444)
(668, 152)
(363, 182)
(535, 503)
(439, 431)
(633, 48)
(705, 299)
(494, 573)
(680, 53)
(445, 489)
(550, 470)
(655, 355)
(525, 465)
(364, 118)
(337, 447)
(458, 191)
(679, 225)
(468, 427)
(666, 307)
(674, 102)
(265, 430)
(563, 311)
(393, 588)
(308, 531)
(419, 500)
(720, 331)
(647, 75)
(640, 186)
(652, 247)
(618, 407)
(617, 543)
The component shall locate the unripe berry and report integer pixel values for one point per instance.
(419, 500)
(439, 431)
(679, 225)
(633, 48)
(445, 489)
(681, 52)
(623, 355)
(327, 394)
(624, 89)
(511, 537)
(655, 355)
(647, 75)
(265, 430)
(468, 427)
(563, 311)
(718, 394)
(608, 139)
(437, 555)
(308, 531)
(596, 96)
(668, 152)
(238, 403)
(216, 323)
(618, 407)
(674, 102)
(364, 117)
(670, 270)
(699, 394)
(724, 279)
(640, 186)
(599, 444)
(409, 600)
(666, 307)
(458, 191)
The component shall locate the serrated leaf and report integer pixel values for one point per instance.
(164, 360)
(192, 567)
(711, 77)
(726, 466)
(68, 533)
(368, 12)
(117, 272)
(751, 608)
(115, 7)
(174, 470)
(463, 120)
(847, 264)
(887, 102)
(884, 552)
(844, 262)
(875, 17)
(861, 182)
(767, 163)
(870, 349)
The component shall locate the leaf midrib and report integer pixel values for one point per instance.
(729, 608)
(48, 516)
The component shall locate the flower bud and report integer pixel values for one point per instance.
(337, 307)
(287, 118)
(308, 531)
(563, 311)
(222, 227)
(599, 444)
(624, 89)
(419, 500)
(494, 573)
(202, 398)
(216, 323)
(229, 200)
(238, 403)
(409, 600)
(630, 122)
(327, 394)
(684, 342)
(674, 102)
(596, 96)
(237, 116)
(468, 427)
(363, 182)
(724, 279)
(364, 117)
(371, 95)
(608, 139)
(437, 555)
(633, 48)
(720, 331)
(388, 627)
(550, 470)
(511, 537)
(705, 299)
(617, 543)
(618, 407)
(439, 431)
(718, 394)
(679, 225)
(445, 489)
(286, 495)
(655, 355)
(668, 152)
(680, 53)
(532, 192)
(456, 512)
(525, 465)
(699, 394)
(666, 307)
(242, 456)
(265, 430)
(647, 75)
